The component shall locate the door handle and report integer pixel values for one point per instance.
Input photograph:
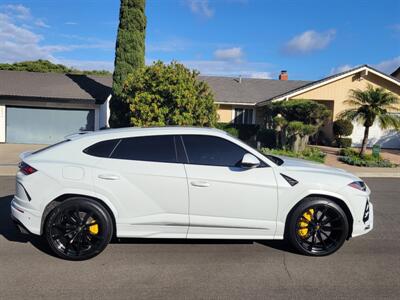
(108, 176)
(200, 183)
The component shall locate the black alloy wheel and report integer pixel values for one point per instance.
(318, 227)
(78, 229)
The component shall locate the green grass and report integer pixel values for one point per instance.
(310, 153)
(352, 157)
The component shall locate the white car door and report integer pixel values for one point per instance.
(227, 200)
(147, 184)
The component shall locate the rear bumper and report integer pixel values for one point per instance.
(19, 225)
(24, 215)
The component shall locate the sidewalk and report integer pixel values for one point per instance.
(392, 155)
(9, 156)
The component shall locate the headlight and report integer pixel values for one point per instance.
(359, 185)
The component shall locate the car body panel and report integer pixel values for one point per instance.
(152, 197)
(158, 199)
(233, 199)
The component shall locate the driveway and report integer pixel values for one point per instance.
(367, 267)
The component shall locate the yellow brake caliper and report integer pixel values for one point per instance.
(306, 218)
(94, 229)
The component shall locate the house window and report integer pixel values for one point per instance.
(243, 116)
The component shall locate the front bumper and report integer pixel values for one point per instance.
(23, 213)
(366, 223)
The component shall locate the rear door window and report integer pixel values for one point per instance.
(147, 148)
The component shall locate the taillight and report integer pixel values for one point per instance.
(26, 169)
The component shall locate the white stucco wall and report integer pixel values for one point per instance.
(389, 139)
(2, 124)
(104, 113)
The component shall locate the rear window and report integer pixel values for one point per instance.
(147, 148)
(102, 149)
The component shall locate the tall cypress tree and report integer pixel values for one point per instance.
(129, 55)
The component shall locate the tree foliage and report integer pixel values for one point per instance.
(306, 111)
(129, 55)
(44, 66)
(160, 95)
(342, 128)
(374, 103)
(295, 121)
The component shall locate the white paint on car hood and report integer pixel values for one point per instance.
(294, 164)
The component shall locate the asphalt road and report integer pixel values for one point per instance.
(366, 267)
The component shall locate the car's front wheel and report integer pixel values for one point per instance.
(317, 227)
(78, 229)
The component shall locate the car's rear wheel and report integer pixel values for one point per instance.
(78, 229)
(317, 227)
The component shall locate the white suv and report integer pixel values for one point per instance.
(177, 182)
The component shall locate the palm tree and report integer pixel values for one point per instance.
(370, 105)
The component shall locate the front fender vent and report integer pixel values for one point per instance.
(290, 180)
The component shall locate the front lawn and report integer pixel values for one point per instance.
(310, 153)
(351, 157)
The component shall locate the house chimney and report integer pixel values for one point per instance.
(283, 75)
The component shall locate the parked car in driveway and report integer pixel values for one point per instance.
(176, 182)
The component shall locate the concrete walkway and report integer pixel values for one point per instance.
(9, 159)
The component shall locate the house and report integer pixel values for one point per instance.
(44, 107)
(243, 100)
(41, 108)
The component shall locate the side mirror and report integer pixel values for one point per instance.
(250, 161)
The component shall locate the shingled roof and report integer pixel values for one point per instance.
(56, 86)
(396, 73)
(229, 90)
(249, 90)
(32, 85)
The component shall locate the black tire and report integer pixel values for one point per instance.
(317, 227)
(78, 229)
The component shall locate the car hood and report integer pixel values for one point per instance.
(294, 164)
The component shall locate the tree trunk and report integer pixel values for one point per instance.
(364, 141)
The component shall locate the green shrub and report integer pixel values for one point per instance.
(242, 131)
(247, 131)
(229, 128)
(348, 152)
(342, 128)
(167, 94)
(343, 142)
(267, 138)
(310, 153)
(352, 157)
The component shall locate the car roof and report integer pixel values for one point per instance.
(139, 131)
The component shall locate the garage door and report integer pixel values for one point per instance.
(389, 139)
(26, 125)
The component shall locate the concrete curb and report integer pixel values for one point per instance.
(377, 175)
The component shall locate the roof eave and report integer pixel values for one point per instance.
(47, 99)
(236, 103)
